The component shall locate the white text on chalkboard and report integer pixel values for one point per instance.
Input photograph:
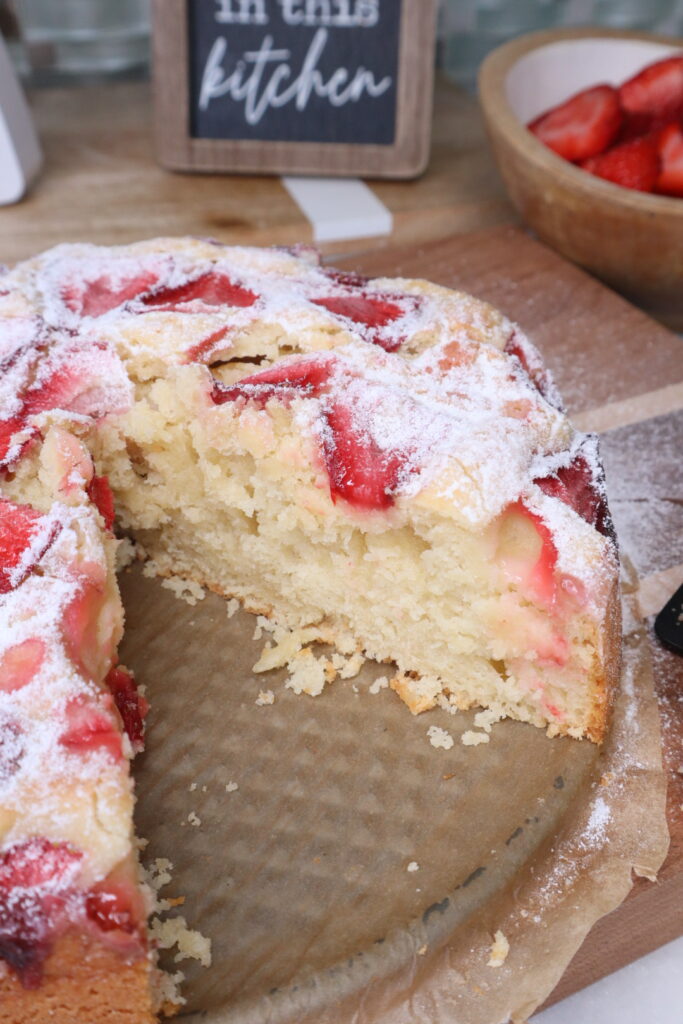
(326, 13)
(263, 79)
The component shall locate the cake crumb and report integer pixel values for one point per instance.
(413, 866)
(381, 683)
(422, 950)
(185, 590)
(194, 819)
(264, 698)
(439, 737)
(192, 787)
(231, 787)
(232, 607)
(352, 666)
(499, 950)
(205, 789)
(487, 718)
(308, 674)
(473, 739)
(126, 553)
(175, 932)
(167, 992)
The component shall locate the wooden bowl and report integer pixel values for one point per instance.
(631, 240)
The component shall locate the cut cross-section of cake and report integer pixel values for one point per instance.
(380, 464)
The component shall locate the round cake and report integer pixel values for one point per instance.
(382, 465)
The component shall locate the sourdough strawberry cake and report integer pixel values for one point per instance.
(382, 464)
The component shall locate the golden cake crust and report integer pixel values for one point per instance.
(83, 983)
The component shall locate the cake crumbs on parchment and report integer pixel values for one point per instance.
(184, 589)
(232, 607)
(175, 932)
(413, 866)
(194, 819)
(439, 737)
(487, 718)
(500, 948)
(205, 789)
(127, 552)
(231, 787)
(264, 698)
(381, 683)
(422, 950)
(192, 787)
(171, 932)
(473, 739)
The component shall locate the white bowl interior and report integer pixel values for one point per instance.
(550, 74)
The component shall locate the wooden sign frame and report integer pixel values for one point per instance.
(406, 157)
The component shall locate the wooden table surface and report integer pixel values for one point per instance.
(101, 184)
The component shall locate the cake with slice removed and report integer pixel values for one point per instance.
(383, 465)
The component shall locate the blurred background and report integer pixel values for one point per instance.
(60, 41)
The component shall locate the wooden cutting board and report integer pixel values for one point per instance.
(620, 374)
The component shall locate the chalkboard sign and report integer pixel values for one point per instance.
(299, 86)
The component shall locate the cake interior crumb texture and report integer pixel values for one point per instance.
(381, 465)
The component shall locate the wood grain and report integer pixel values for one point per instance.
(601, 350)
(102, 183)
(405, 158)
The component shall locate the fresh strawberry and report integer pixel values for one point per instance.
(131, 705)
(670, 145)
(582, 126)
(102, 498)
(654, 96)
(633, 164)
(212, 289)
(23, 542)
(89, 728)
(95, 298)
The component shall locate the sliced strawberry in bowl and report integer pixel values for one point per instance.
(670, 146)
(654, 96)
(582, 126)
(633, 164)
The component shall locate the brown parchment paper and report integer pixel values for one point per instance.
(305, 877)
